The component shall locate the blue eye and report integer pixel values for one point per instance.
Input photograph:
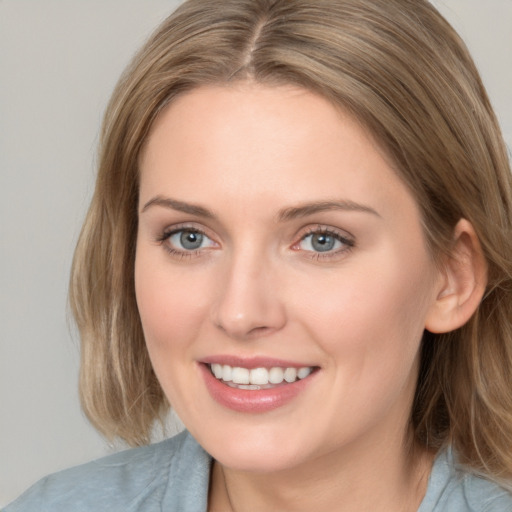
(184, 240)
(323, 241)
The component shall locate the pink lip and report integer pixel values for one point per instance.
(253, 401)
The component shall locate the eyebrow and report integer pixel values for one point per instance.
(321, 206)
(180, 206)
(284, 215)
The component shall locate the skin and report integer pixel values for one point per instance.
(257, 287)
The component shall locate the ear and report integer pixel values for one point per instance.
(462, 283)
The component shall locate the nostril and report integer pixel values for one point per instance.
(251, 333)
(246, 309)
(258, 330)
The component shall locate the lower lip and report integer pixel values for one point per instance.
(252, 401)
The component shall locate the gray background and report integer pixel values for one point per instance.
(59, 61)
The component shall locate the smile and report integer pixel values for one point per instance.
(256, 385)
(258, 378)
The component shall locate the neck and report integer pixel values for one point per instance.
(385, 479)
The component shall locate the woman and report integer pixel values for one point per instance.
(300, 239)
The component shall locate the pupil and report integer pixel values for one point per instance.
(322, 242)
(191, 240)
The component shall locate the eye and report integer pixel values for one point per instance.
(320, 242)
(324, 243)
(186, 241)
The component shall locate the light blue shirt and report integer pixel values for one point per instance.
(173, 476)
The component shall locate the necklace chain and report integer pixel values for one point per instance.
(232, 509)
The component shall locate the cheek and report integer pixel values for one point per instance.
(372, 314)
(172, 311)
(171, 307)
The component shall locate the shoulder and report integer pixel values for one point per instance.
(142, 479)
(453, 489)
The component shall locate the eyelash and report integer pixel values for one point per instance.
(347, 242)
(177, 253)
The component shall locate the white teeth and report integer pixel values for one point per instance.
(240, 375)
(227, 373)
(259, 376)
(217, 370)
(253, 379)
(303, 372)
(248, 386)
(276, 375)
(290, 374)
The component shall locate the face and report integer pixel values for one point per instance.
(282, 277)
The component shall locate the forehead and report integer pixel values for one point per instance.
(249, 141)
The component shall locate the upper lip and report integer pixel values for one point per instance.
(253, 362)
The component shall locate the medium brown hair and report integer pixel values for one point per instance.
(401, 70)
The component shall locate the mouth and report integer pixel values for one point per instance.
(256, 385)
(254, 379)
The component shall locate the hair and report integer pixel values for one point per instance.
(400, 69)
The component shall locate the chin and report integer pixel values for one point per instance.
(263, 451)
(248, 459)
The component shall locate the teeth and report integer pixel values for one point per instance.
(248, 386)
(217, 370)
(304, 372)
(276, 375)
(253, 379)
(290, 374)
(240, 375)
(259, 376)
(227, 373)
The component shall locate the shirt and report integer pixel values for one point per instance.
(173, 476)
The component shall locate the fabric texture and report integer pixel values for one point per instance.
(173, 476)
(451, 489)
(170, 476)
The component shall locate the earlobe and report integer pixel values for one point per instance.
(463, 282)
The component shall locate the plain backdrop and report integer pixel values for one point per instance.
(59, 61)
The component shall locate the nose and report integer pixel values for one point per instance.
(249, 302)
